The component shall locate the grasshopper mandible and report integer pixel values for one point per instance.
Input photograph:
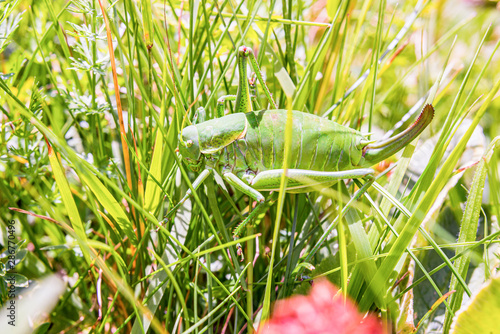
(246, 147)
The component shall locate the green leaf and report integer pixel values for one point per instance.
(19, 281)
(42, 329)
(481, 314)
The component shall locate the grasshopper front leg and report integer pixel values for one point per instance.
(252, 193)
(253, 95)
(253, 91)
(233, 180)
(220, 103)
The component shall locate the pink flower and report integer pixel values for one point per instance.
(323, 311)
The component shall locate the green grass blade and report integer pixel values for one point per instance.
(468, 231)
(266, 308)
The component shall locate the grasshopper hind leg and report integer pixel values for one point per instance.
(300, 180)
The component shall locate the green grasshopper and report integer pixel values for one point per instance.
(246, 148)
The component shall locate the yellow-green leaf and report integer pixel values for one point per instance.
(69, 203)
(153, 191)
(147, 20)
(110, 204)
(481, 314)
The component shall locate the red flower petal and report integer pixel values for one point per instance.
(323, 311)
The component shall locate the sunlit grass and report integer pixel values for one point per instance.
(91, 114)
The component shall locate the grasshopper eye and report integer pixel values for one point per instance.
(189, 143)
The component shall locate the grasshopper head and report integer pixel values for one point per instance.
(244, 51)
(189, 148)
